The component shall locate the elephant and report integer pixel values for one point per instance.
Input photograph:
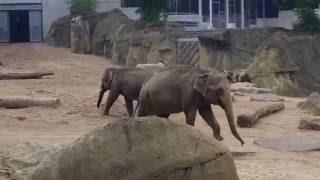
(188, 89)
(122, 81)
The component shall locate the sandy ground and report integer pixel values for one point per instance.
(76, 83)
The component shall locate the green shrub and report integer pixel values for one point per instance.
(77, 6)
(308, 20)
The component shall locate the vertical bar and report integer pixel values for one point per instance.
(227, 14)
(200, 10)
(210, 14)
(242, 14)
(264, 8)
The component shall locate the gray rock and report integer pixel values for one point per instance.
(248, 88)
(291, 143)
(142, 148)
(312, 104)
(312, 123)
(266, 98)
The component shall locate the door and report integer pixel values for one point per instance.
(4, 27)
(35, 23)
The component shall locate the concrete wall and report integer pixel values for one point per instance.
(51, 10)
(107, 5)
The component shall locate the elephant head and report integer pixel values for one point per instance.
(215, 88)
(106, 81)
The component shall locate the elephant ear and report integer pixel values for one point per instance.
(201, 84)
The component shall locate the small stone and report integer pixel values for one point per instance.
(21, 118)
(312, 123)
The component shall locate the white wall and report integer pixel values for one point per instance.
(287, 19)
(107, 5)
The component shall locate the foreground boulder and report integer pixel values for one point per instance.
(312, 104)
(144, 148)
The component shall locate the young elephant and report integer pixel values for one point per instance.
(187, 89)
(122, 81)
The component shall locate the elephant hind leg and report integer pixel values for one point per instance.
(207, 114)
(113, 96)
(129, 106)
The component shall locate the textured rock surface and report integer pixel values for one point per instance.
(145, 148)
(312, 123)
(312, 104)
(274, 58)
(288, 64)
(266, 98)
(292, 143)
(232, 49)
(248, 88)
(153, 44)
(59, 34)
(105, 31)
(80, 36)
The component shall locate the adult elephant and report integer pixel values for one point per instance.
(188, 89)
(122, 81)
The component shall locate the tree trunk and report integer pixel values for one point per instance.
(16, 102)
(25, 75)
(249, 119)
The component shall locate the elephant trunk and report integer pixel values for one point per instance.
(102, 91)
(227, 106)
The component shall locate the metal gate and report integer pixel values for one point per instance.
(4, 27)
(35, 25)
(188, 51)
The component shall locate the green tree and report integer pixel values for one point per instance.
(150, 10)
(308, 20)
(78, 6)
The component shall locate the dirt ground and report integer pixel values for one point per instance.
(76, 84)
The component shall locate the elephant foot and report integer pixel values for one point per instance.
(106, 113)
(218, 137)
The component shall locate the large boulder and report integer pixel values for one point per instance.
(105, 30)
(154, 43)
(80, 36)
(144, 148)
(59, 34)
(312, 104)
(288, 64)
(232, 48)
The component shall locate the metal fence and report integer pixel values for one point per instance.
(188, 51)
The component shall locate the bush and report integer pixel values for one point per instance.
(78, 6)
(308, 20)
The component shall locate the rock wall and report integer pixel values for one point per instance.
(59, 34)
(278, 59)
(231, 49)
(153, 44)
(141, 149)
(288, 63)
(80, 36)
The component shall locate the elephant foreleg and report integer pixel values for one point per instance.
(113, 96)
(129, 106)
(191, 116)
(207, 114)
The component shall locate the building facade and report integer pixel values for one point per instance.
(30, 20)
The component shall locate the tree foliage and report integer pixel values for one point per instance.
(76, 6)
(150, 10)
(308, 19)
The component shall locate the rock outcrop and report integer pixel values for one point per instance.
(144, 148)
(288, 64)
(233, 48)
(59, 34)
(153, 44)
(80, 36)
(311, 123)
(312, 104)
(274, 58)
(106, 29)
